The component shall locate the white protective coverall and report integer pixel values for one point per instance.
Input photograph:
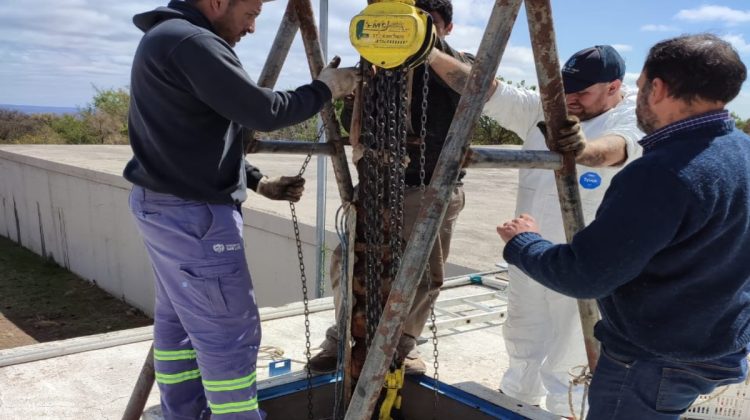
(543, 332)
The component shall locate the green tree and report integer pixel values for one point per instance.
(741, 124)
(15, 125)
(107, 116)
(74, 129)
(489, 132)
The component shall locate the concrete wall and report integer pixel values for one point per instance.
(79, 218)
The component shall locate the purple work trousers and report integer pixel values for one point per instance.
(206, 322)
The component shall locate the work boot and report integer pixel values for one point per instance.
(414, 365)
(323, 362)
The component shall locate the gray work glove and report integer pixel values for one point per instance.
(570, 138)
(340, 82)
(287, 188)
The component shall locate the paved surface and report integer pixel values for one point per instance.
(97, 384)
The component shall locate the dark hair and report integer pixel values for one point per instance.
(701, 66)
(442, 7)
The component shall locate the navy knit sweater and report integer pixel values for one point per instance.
(668, 255)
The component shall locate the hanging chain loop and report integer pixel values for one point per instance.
(303, 277)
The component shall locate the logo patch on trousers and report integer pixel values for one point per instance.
(220, 248)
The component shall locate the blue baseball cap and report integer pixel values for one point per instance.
(597, 64)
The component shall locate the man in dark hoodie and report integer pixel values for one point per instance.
(190, 99)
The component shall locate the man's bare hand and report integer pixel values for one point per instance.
(289, 188)
(569, 138)
(521, 224)
(341, 82)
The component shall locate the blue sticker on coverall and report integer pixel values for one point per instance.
(590, 180)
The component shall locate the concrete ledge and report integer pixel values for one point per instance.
(69, 204)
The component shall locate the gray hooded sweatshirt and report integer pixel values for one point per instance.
(190, 99)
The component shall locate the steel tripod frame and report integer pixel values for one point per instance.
(446, 173)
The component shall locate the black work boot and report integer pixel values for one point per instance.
(323, 362)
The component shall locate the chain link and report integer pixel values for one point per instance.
(423, 127)
(369, 191)
(422, 187)
(303, 276)
(383, 183)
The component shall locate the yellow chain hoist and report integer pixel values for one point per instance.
(392, 33)
(394, 381)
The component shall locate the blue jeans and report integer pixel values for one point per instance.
(655, 388)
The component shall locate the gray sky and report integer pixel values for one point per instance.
(52, 53)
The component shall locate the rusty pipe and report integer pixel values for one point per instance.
(542, 31)
(275, 60)
(486, 157)
(311, 40)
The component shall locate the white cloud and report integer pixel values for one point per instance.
(473, 12)
(659, 28)
(622, 47)
(741, 105)
(712, 13)
(738, 42)
(631, 78)
(53, 51)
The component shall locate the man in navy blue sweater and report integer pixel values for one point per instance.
(666, 256)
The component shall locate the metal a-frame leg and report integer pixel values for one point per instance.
(544, 45)
(314, 51)
(142, 389)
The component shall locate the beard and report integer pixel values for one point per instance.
(593, 110)
(584, 114)
(646, 117)
(223, 27)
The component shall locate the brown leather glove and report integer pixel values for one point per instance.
(569, 138)
(287, 188)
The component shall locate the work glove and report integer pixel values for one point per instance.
(570, 138)
(340, 82)
(287, 188)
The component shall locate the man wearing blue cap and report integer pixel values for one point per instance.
(543, 333)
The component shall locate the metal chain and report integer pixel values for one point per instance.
(374, 206)
(394, 87)
(369, 199)
(369, 191)
(397, 100)
(303, 276)
(423, 128)
(383, 186)
(422, 176)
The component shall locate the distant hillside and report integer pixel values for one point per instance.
(29, 109)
